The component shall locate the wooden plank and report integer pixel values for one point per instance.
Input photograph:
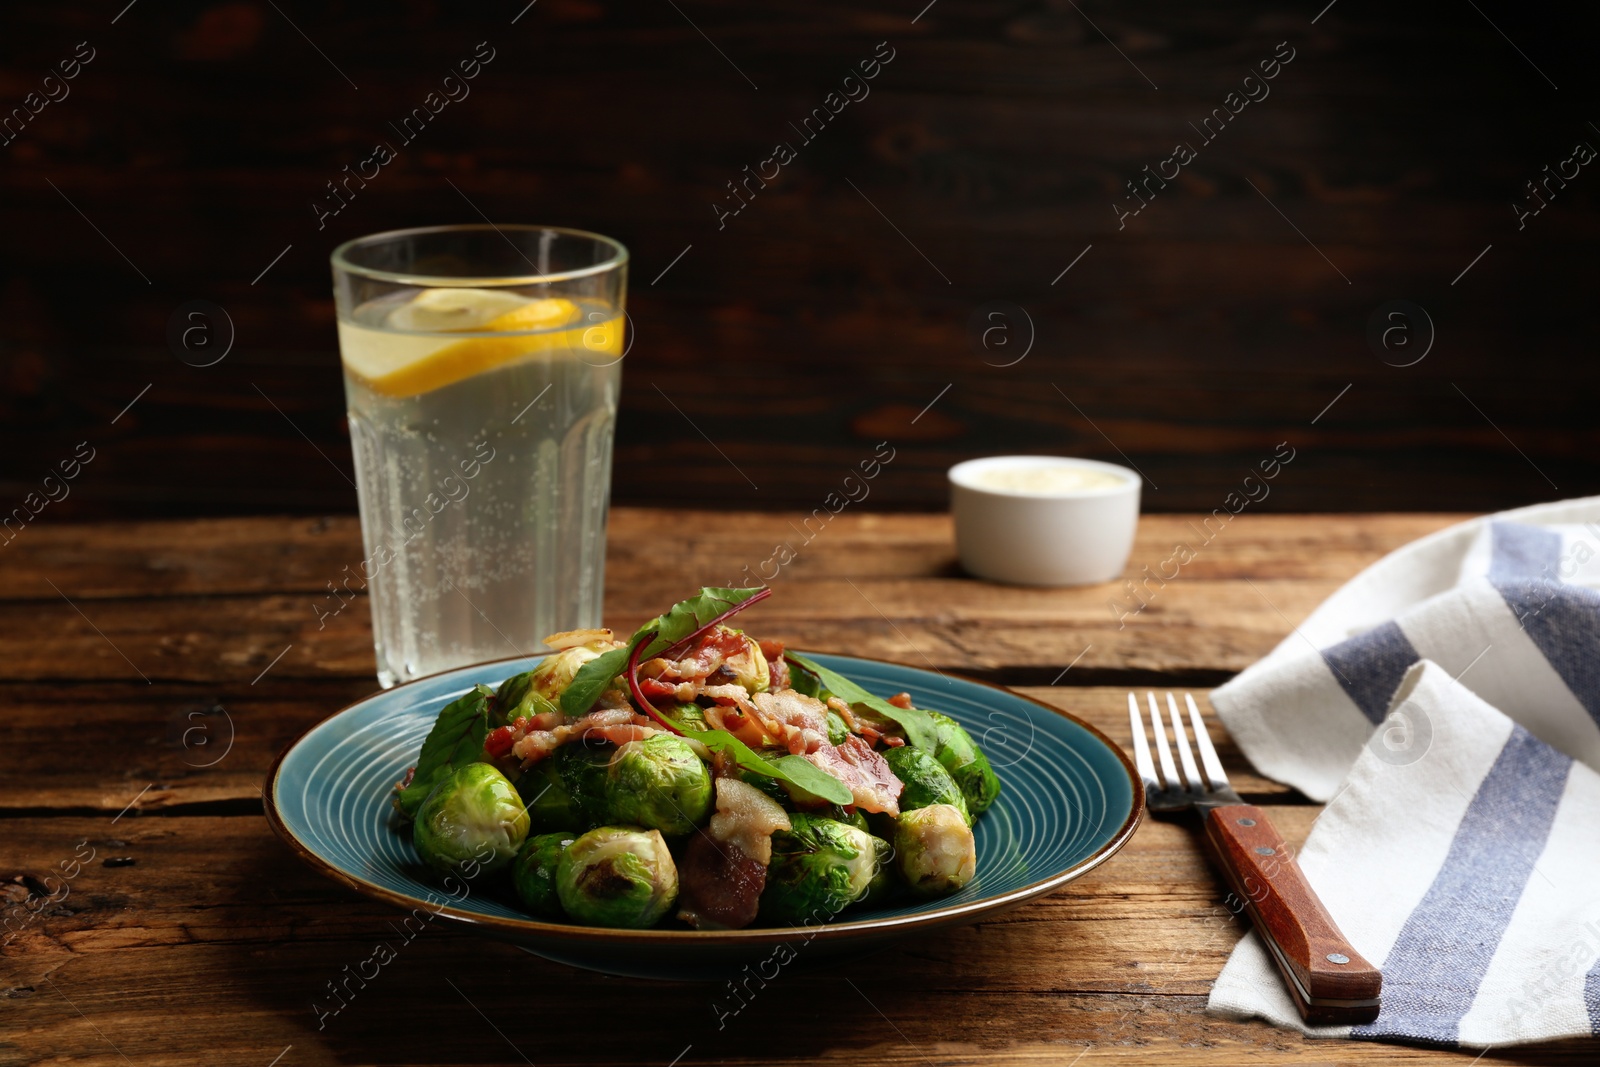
(223, 449)
(214, 915)
(865, 585)
(998, 140)
(177, 746)
(229, 557)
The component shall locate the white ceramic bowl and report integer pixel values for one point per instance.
(1008, 530)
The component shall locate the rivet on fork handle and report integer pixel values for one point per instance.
(1329, 980)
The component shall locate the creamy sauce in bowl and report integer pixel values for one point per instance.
(1052, 480)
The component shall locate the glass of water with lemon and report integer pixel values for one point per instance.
(481, 371)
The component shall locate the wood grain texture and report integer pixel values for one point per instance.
(1192, 338)
(147, 601)
(211, 921)
(192, 936)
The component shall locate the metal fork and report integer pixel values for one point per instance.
(1329, 981)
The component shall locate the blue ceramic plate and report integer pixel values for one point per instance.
(1069, 800)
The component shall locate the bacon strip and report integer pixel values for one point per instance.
(872, 785)
(724, 869)
(533, 745)
(776, 664)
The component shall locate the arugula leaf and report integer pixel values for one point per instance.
(796, 770)
(919, 727)
(455, 740)
(662, 632)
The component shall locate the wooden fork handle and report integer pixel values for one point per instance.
(1328, 979)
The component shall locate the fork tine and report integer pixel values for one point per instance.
(1185, 755)
(1168, 770)
(1208, 754)
(1141, 747)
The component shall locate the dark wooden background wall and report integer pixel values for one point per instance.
(1220, 321)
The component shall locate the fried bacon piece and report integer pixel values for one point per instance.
(748, 818)
(779, 666)
(785, 719)
(719, 887)
(724, 869)
(531, 744)
(865, 773)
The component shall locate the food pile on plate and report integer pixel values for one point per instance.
(694, 773)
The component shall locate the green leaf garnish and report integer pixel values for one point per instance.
(920, 729)
(455, 740)
(796, 770)
(662, 632)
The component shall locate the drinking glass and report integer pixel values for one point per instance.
(481, 372)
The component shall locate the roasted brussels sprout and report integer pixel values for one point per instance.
(548, 798)
(934, 849)
(838, 731)
(472, 821)
(960, 755)
(883, 884)
(554, 673)
(533, 873)
(582, 770)
(658, 783)
(748, 666)
(617, 876)
(691, 717)
(518, 698)
(850, 817)
(925, 779)
(819, 867)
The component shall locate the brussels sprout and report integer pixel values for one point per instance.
(617, 876)
(853, 817)
(533, 873)
(658, 783)
(819, 867)
(838, 731)
(882, 886)
(935, 849)
(518, 698)
(960, 755)
(472, 821)
(691, 717)
(549, 801)
(554, 673)
(925, 779)
(749, 667)
(582, 770)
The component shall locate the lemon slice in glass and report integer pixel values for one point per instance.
(406, 359)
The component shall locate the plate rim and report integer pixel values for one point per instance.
(573, 933)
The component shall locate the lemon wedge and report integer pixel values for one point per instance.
(410, 364)
(438, 310)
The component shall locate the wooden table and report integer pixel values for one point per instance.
(153, 670)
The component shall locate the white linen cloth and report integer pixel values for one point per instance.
(1447, 701)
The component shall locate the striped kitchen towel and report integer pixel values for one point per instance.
(1447, 700)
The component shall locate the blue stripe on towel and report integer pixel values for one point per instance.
(1591, 998)
(1520, 551)
(1432, 974)
(1369, 667)
(1563, 621)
